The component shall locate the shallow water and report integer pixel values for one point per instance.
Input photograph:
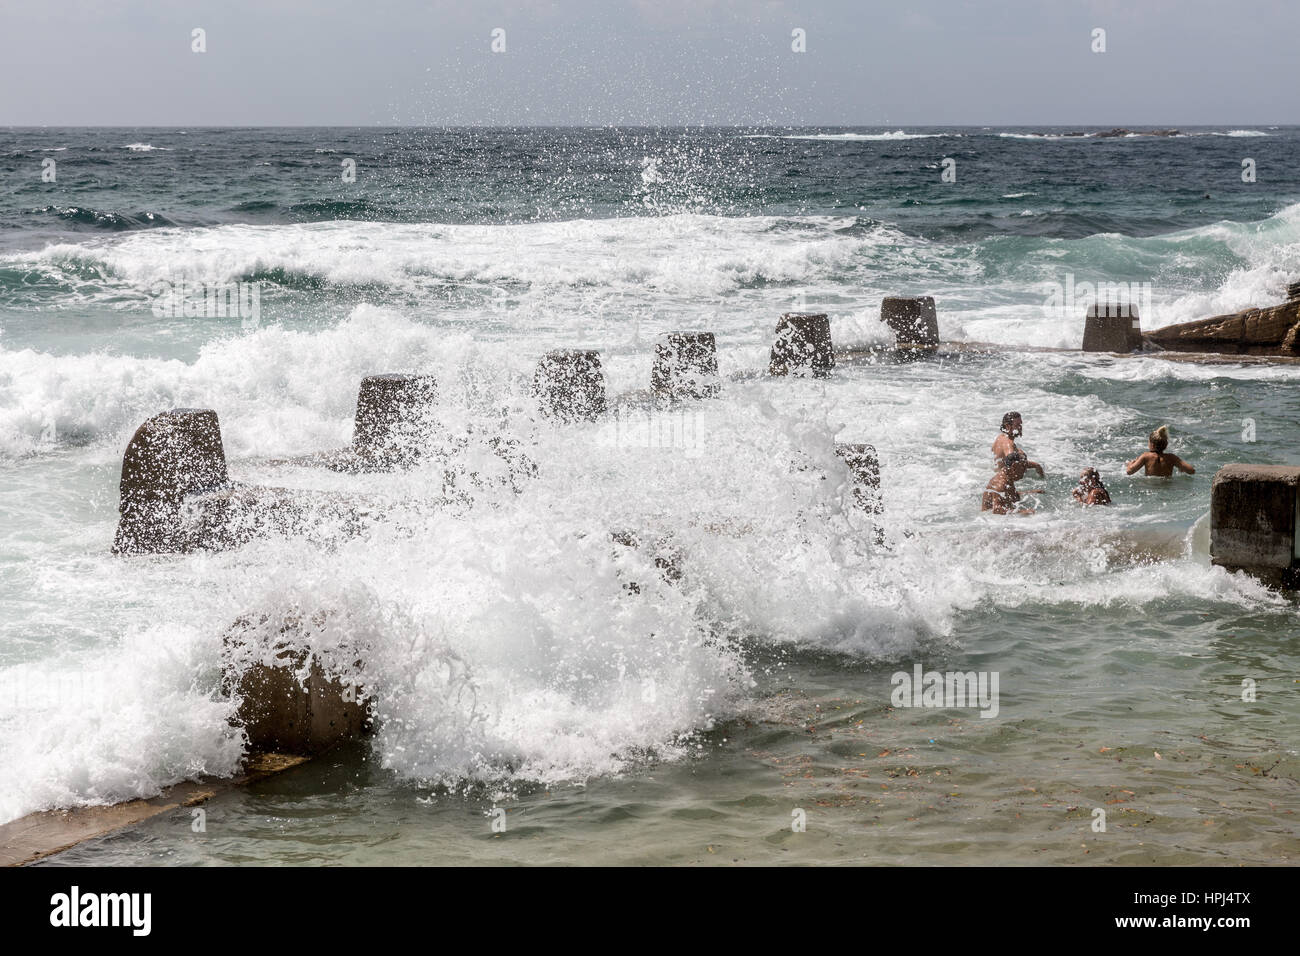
(511, 665)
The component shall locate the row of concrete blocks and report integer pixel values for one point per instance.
(176, 495)
(175, 459)
(571, 382)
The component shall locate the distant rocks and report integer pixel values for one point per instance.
(1120, 132)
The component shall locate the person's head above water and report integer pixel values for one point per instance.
(1159, 439)
(1011, 424)
(1089, 477)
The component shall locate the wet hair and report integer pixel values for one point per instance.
(1160, 438)
(1008, 418)
(1013, 458)
(1091, 478)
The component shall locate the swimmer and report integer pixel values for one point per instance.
(1157, 463)
(1000, 495)
(1090, 490)
(1005, 443)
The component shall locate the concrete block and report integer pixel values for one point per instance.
(392, 419)
(802, 345)
(291, 706)
(685, 366)
(1253, 521)
(170, 457)
(570, 385)
(914, 320)
(1112, 328)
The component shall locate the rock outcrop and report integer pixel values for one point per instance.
(1270, 331)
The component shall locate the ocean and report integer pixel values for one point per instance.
(533, 708)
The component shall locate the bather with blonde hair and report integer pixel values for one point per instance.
(1157, 462)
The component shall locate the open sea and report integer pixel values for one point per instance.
(533, 709)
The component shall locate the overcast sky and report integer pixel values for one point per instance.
(649, 62)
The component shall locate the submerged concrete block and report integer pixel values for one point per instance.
(283, 714)
(914, 320)
(292, 706)
(802, 345)
(172, 456)
(570, 385)
(392, 417)
(1253, 522)
(685, 366)
(1112, 328)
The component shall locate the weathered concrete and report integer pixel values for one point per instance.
(685, 367)
(1113, 327)
(292, 706)
(1253, 521)
(177, 496)
(40, 835)
(1270, 331)
(914, 320)
(170, 457)
(392, 417)
(864, 466)
(570, 385)
(802, 345)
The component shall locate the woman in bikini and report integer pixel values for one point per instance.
(1005, 443)
(1155, 460)
(1000, 495)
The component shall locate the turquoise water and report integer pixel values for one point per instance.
(511, 667)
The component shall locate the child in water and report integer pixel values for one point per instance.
(1158, 464)
(1090, 490)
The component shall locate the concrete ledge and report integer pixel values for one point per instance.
(39, 835)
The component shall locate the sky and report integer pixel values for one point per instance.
(648, 62)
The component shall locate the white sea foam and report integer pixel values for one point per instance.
(895, 136)
(502, 642)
